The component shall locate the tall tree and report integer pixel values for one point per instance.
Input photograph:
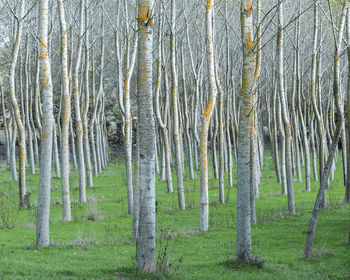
(285, 117)
(204, 199)
(16, 110)
(332, 151)
(78, 122)
(347, 187)
(65, 115)
(146, 240)
(244, 250)
(43, 219)
(175, 102)
(86, 104)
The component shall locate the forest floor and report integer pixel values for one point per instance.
(97, 243)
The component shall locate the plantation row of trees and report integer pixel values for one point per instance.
(251, 76)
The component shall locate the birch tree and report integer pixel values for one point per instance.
(207, 114)
(43, 219)
(285, 117)
(78, 122)
(175, 101)
(332, 151)
(65, 115)
(16, 109)
(244, 250)
(146, 240)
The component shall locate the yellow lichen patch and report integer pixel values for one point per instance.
(209, 4)
(250, 44)
(144, 15)
(249, 5)
(209, 108)
(43, 49)
(44, 82)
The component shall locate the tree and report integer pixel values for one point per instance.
(347, 187)
(332, 151)
(244, 250)
(175, 101)
(86, 103)
(163, 121)
(78, 122)
(146, 240)
(43, 219)
(204, 200)
(16, 110)
(285, 117)
(65, 116)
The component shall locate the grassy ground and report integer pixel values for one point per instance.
(97, 243)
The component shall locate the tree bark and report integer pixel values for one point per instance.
(16, 110)
(207, 114)
(43, 219)
(244, 250)
(146, 240)
(78, 122)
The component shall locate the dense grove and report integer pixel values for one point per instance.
(161, 121)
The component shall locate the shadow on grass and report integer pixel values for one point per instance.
(133, 273)
(256, 263)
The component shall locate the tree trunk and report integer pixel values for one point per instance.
(175, 97)
(43, 219)
(204, 199)
(347, 187)
(286, 121)
(78, 122)
(146, 240)
(66, 209)
(16, 110)
(244, 250)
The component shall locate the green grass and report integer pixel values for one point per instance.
(102, 248)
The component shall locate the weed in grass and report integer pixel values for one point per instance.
(192, 232)
(166, 234)
(227, 195)
(125, 240)
(111, 230)
(32, 215)
(57, 202)
(4, 165)
(54, 188)
(8, 210)
(27, 200)
(29, 225)
(318, 253)
(214, 204)
(81, 242)
(117, 199)
(166, 267)
(191, 204)
(169, 210)
(92, 212)
(186, 190)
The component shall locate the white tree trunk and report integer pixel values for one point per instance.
(244, 250)
(78, 122)
(43, 219)
(66, 209)
(146, 240)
